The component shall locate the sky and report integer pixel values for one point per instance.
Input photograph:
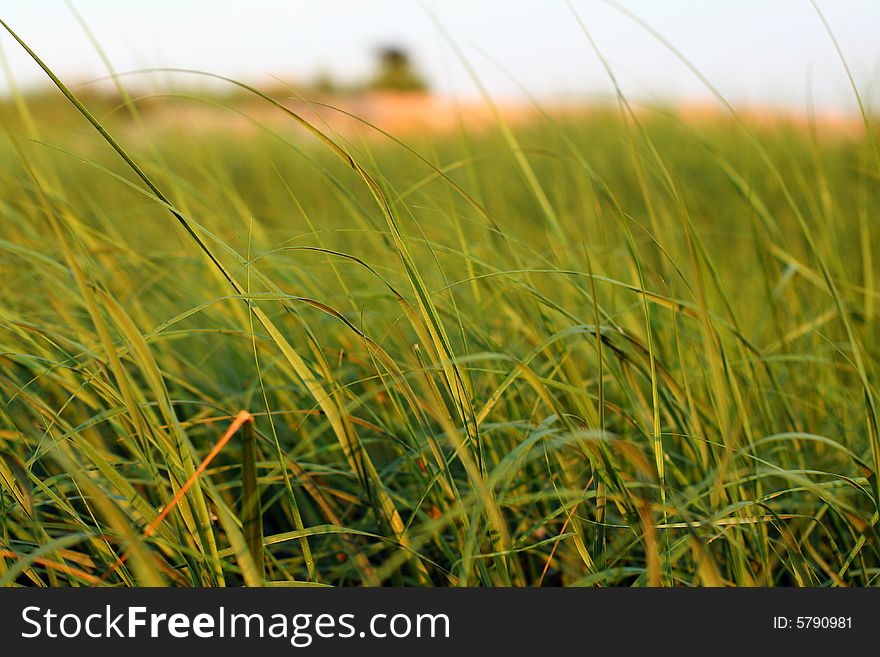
(764, 53)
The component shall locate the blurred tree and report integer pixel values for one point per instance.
(325, 84)
(396, 72)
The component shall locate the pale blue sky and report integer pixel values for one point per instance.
(759, 52)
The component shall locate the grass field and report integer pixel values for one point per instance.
(616, 348)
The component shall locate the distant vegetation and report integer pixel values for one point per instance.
(396, 72)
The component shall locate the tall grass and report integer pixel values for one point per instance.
(613, 348)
